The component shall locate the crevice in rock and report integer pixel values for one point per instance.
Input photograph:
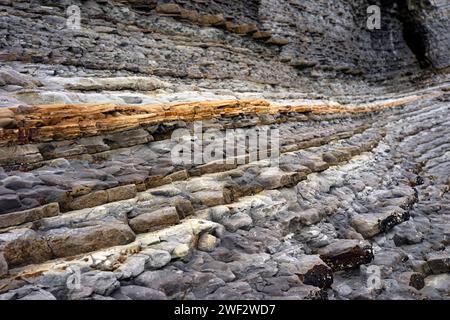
(414, 32)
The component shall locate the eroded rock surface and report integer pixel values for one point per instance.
(352, 202)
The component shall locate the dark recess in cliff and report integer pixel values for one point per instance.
(414, 32)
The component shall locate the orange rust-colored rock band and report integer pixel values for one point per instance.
(69, 121)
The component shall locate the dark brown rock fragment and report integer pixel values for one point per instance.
(346, 254)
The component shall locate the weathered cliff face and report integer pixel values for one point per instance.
(424, 29)
(317, 47)
(355, 185)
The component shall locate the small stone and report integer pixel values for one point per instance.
(169, 281)
(439, 282)
(219, 269)
(60, 163)
(133, 266)
(191, 15)
(237, 221)
(56, 278)
(127, 138)
(406, 234)
(343, 290)
(184, 208)
(262, 35)
(90, 200)
(212, 20)
(413, 279)
(156, 258)
(9, 202)
(278, 41)
(389, 257)
(439, 262)
(302, 64)
(273, 178)
(122, 193)
(210, 198)
(346, 254)
(80, 188)
(313, 271)
(65, 241)
(420, 266)
(207, 242)
(180, 251)
(205, 283)
(309, 217)
(178, 176)
(103, 283)
(141, 293)
(245, 29)
(24, 246)
(8, 76)
(6, 113)
(151, 221)
(18, 218)
(39, 295)
(370, 224)
(168, 8)
(304, 292)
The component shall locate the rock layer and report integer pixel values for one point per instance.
(292, 234)
(350, 202)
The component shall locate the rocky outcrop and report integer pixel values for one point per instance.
(287, 231)
(110, 189)
(259, 46)
(55, 176)
(63, 122)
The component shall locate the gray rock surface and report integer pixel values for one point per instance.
(353, 205)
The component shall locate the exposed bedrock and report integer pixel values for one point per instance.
(197, 50)
(352, 195)
(102, 193)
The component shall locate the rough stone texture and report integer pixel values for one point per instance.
(346, 254)
(439, 262)
(150, 221)
(313, 271)
(24, 246)
(351, 203)
(291, 46)
(66, 242)
(18, 218)
(139, 293)
(207, 243)
(3, 265)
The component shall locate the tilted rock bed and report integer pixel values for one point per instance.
(71, 172)
(353, 192)
(221, 44)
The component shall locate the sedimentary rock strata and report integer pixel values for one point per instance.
(128, 171)
(274, 229)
